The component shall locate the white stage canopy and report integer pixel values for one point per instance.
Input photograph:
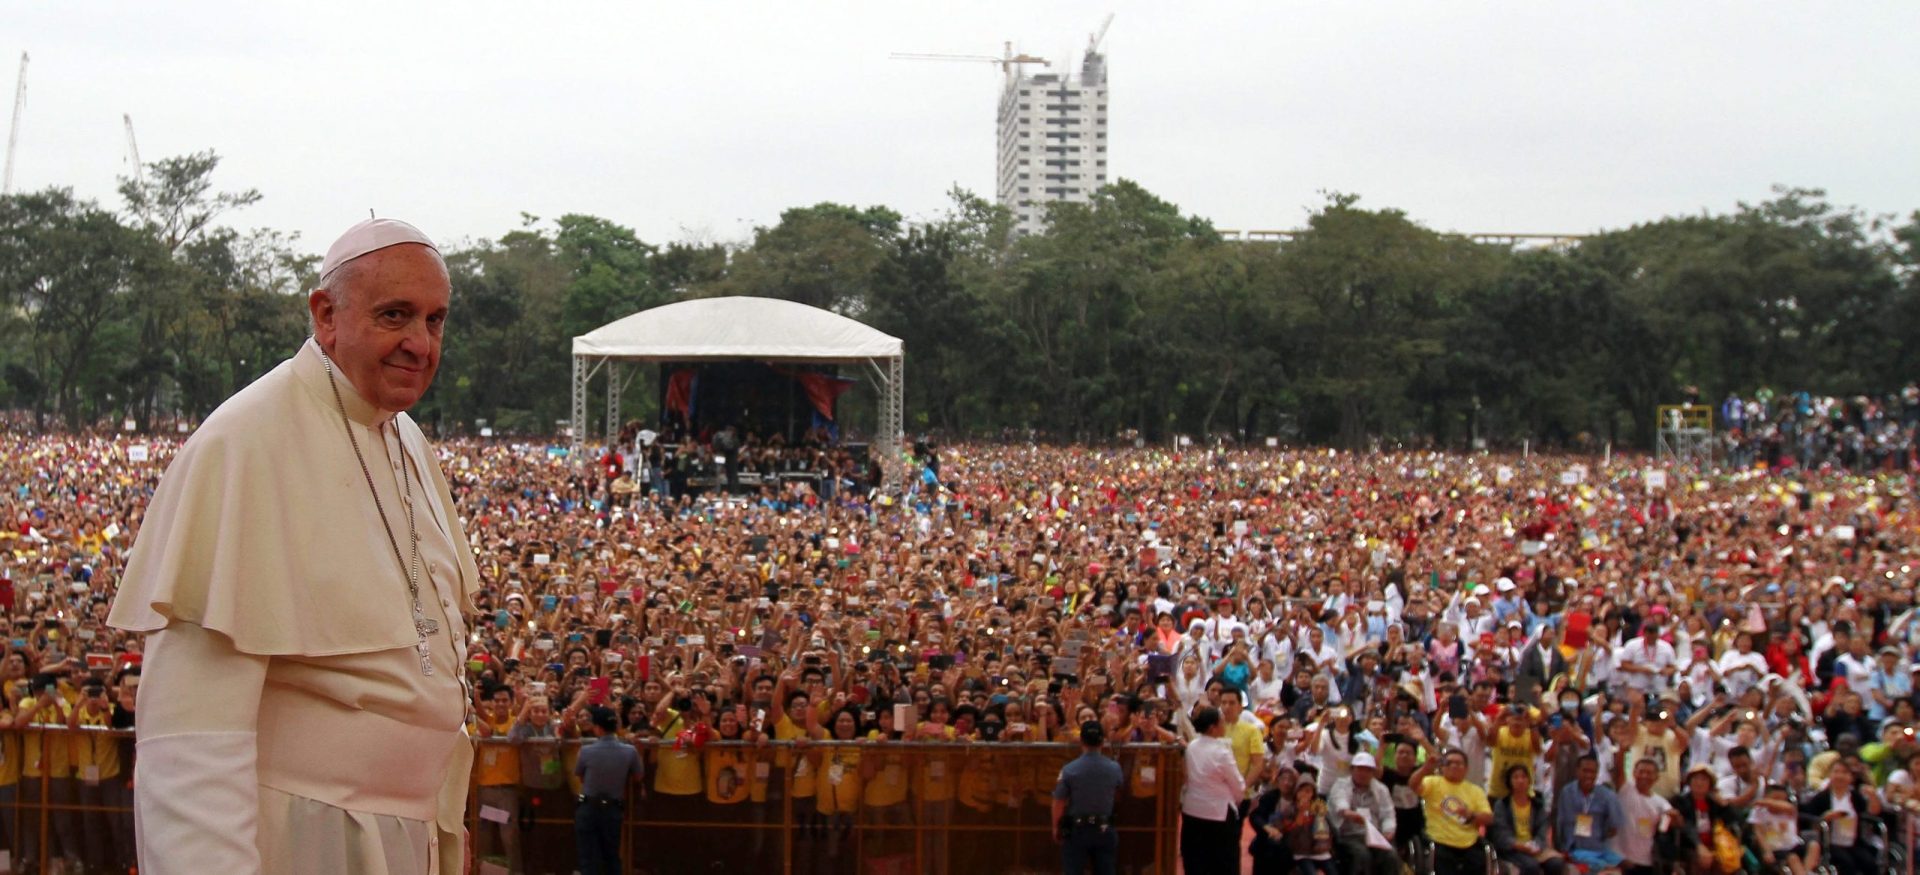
(738, 329)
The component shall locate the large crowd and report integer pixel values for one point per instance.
(1551, 661)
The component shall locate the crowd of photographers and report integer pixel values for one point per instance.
(1433, 657)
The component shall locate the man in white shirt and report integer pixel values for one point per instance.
(1210, 800)
(1319, 655)
(1220, 627)
(1646, 814)
(304, 574)
(1357, 802)
(1645, 664)
(1856, 665)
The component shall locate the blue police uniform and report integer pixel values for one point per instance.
(1089, 784)
(606, 767)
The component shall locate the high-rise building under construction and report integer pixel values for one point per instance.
(1053, 138)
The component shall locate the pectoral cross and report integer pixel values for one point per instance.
(424, 627)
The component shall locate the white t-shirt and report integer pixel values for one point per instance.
(1732, 787)
(1265, 693)
(1859, 671)
(1655, 654)
(1634, 841)
(1740, 671)
(1776, 832)
(1845, 829)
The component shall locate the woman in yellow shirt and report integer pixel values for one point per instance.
(934, 782)
(838, 768)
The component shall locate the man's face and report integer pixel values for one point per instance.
(1644, 774)
(1587, 773)
(501, 702)
(384, 334)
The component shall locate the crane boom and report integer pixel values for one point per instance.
(1007, 61)
(133, 147)
(13, 131)
(1093, 44)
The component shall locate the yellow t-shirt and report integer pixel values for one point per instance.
(499, 760)
(840, 774)
(676, 770)
(1509, 749)
(1522, 820)
(729, 774)
(96, 755)
(1143, 774)
(1247, 742)
(802, 786)
(889, 783)
(10, 760)
(975, 783)
(933, 779)
(1450, 808)
(57, 756)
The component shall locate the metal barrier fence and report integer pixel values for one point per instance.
(66, 794)
(871, 808)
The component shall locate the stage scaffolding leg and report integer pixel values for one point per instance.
(578, 413)
(892, 420)
(614, 387)
(582, 378)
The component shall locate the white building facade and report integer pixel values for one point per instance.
(1053, 140)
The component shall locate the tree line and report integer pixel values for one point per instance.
(1126, 318)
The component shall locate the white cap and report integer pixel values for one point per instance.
(1364, 760)
(369, 236)
(1503, 585)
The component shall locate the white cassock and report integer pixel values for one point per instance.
(284, 723)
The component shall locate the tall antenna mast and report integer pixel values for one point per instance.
(13, 132)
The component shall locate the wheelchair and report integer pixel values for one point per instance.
(1876, 836)
(1423, 857)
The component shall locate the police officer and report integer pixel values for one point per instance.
(1083, 807)
(606, 768)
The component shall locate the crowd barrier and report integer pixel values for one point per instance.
(892, 807)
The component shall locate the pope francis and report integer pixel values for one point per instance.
(304, 575)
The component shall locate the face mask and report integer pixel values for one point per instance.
(1569, 705)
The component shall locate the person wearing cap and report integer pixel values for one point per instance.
(1508, 604)
(606, 768)
(1083, 806)
(1357, 802)
(1699, 810)
(1891, 681)
(304, 572)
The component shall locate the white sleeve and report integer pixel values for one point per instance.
(197, 803)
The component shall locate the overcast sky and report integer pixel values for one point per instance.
(706, 118)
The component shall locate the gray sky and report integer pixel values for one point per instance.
(705, 118)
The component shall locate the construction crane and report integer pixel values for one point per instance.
(1007, 59)
(133, 148)
(13, 132)
(1095, 39)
